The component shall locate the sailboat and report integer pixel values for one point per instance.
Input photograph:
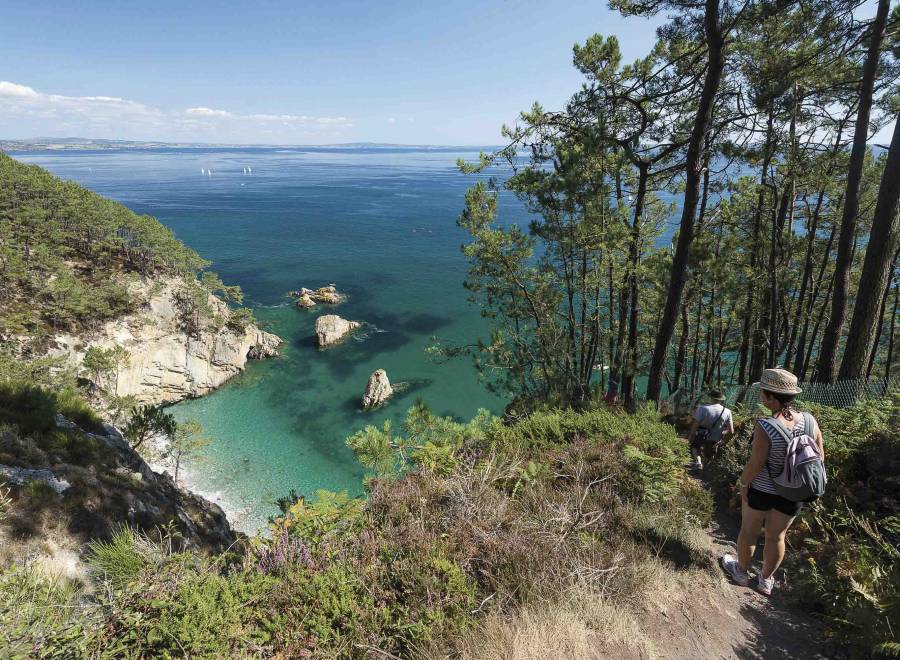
(249, 170)
(202, 171)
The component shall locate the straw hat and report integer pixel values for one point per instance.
(716, 395)
(779, 381)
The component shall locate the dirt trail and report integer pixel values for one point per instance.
(729, 621)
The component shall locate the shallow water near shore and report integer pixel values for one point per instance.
(378, 223)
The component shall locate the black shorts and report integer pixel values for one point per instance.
(761, 501)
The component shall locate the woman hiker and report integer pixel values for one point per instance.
(761, 506)
(712, 423)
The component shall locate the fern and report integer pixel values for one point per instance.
(887, 650)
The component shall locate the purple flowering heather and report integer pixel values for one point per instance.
(284, 550)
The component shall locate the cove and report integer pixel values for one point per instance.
(379, 223)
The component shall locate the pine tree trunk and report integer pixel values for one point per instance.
(756, 338)
(616, 357)
(697, 324)
(715, 41)
(615, 338)
(801, 360)
(634, 258)
(890, 349)
(811, 229)
(876, 272)
(826, 367)
(878, 329)
(681, 355)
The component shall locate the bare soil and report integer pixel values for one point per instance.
(719, 619)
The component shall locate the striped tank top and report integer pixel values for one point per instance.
(777, 451)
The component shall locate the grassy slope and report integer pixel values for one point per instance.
(560, 507)
(562, 534)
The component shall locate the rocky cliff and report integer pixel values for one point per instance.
(167, 361)
(68, 487)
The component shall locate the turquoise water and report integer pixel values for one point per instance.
(378, 223)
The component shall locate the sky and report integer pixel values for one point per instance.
(445, 72)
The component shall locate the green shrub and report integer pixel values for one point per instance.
(650, 479)
(328, 514)
(122, 558)
(207, 616)
(38, 494)
(484, 518)
(40, 617)
(69, 446)
(850, 562)
(33, 408)
(71, 405)
(27, 406)
(239, 319)
(426, 442)
(560, 426)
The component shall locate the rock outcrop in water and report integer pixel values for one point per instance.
(305, 301)
(166, 363)
(331, 328)
(327, 295)
(378, 390)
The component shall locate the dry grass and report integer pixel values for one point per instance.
(571, 569)
(584, 627)
(588, 625)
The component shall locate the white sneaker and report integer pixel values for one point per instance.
(765, 586)
(697, 464)
(737, 574)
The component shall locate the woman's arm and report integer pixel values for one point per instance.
(759, 453)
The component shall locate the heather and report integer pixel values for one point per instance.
(490, 525)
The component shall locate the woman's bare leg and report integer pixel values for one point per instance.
(751, 527)
(777, 524)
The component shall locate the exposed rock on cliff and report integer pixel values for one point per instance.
(169, 361)
(331, 328)
(378, 390)
(92, 483)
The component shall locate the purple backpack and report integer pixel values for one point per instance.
(803, 477)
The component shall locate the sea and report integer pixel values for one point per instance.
(380, 224)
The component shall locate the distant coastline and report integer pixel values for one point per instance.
(92, 144)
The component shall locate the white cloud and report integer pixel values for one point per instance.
(208, 112)
(12, 89)
(112, 116)
(392, 120)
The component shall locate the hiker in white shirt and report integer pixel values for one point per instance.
(712, 423)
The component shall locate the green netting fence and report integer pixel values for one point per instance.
(837, 395)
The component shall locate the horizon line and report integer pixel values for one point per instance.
(82, 140)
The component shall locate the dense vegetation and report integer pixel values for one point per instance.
(754, 116)
(470, 531)
(68, 255)
(561, 506)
